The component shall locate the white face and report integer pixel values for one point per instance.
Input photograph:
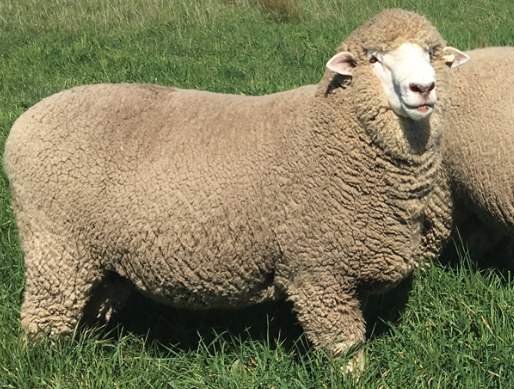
(408, 79)
(407, 76)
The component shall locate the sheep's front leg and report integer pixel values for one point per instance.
(331, 314)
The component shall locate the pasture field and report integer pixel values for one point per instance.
(449, 327)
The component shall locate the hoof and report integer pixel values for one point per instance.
(356, 364)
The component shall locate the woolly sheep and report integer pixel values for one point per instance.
(204, 200)
(475, 190)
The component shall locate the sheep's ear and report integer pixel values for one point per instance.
(454, 57)
(342, 63)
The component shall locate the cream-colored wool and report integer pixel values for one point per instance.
(475, 191)
(206, 200)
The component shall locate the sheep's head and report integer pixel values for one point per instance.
(393, 73)
(400, 48)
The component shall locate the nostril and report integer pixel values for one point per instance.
(422, 89)
(415, 88)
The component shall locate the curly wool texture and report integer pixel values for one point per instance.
(475, 191)
(206, 200)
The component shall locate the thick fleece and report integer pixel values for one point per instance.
(206, 200)
(475, 190)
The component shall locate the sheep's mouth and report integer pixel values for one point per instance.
(418, 112)
(423, 108)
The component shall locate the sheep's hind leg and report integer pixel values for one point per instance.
(331, 316)
(59, 279)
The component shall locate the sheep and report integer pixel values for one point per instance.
(474, 191)
(205, 200)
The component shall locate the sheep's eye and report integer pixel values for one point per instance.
(373, 59)
(431, 54)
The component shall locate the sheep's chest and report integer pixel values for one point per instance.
(365, 222)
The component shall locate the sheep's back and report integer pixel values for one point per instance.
(479, 139)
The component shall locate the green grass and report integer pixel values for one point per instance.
(451, 327)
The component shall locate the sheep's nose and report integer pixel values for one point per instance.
(423, 90)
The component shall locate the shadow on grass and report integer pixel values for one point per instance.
(497, 259)
(270, 322)
(386, 308)
(182, 328)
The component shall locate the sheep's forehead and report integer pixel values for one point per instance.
(390, 29)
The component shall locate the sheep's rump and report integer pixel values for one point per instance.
(179, 191)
